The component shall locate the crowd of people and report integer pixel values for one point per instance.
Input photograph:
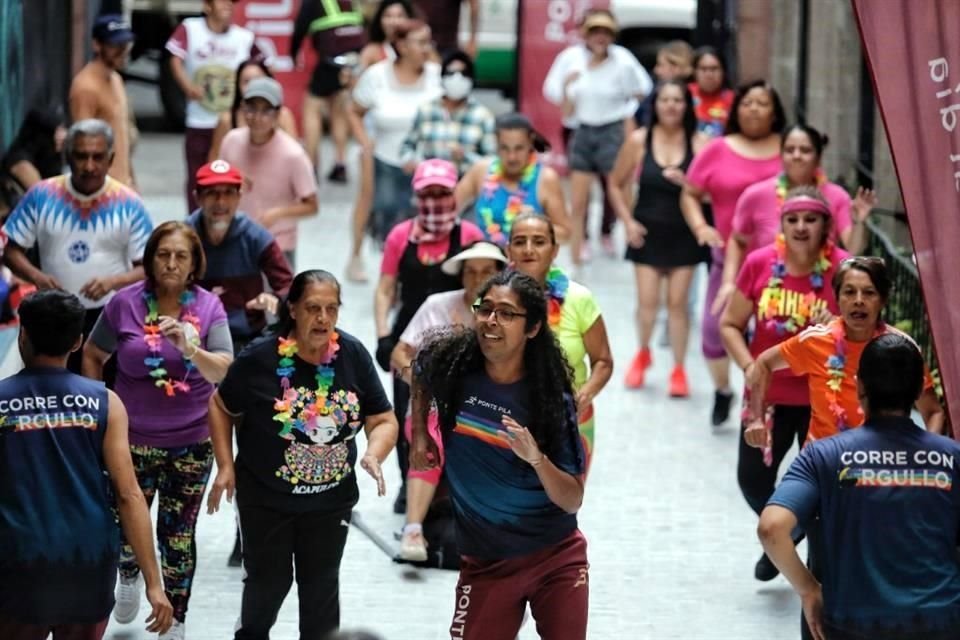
(152, 353)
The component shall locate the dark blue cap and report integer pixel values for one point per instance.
(112, 28)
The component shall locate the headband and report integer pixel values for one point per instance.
(805, 203)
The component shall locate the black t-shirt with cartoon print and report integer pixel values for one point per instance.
(307, 463)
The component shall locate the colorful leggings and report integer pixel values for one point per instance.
(180, 476)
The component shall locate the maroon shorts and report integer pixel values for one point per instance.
(13, 630)
(492, 595)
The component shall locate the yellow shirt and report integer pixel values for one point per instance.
(578, 313)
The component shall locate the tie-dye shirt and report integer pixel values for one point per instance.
(500, 505)
(81, 237)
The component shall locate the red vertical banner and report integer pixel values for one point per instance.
(272, 23)
(547, 27)
(913, 49)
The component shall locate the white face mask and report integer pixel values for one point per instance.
(456, 86)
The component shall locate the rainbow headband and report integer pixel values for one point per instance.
(805, 203)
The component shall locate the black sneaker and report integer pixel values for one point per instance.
(765, 570)
(721, 407)
(235, 559)
(338, 174)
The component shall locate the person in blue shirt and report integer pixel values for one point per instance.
(63, 447)
(513, 461)
(889, 515)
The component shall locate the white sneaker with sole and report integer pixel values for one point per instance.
(178, 631)
(128, 600)
(413, 546)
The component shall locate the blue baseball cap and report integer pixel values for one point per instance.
(112, 28)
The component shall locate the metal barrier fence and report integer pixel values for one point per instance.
(905, 309)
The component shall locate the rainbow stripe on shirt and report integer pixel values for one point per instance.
(484, 430)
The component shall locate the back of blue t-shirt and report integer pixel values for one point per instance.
(890, 515)
(58, 536)
(500, 505)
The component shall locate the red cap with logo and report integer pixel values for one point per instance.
(218, 172)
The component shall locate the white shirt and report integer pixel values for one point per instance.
(438, 310)
(392, 106)
(602, 94)
(210, 60)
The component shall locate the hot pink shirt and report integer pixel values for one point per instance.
(798, 300)
(757, 215)
(428, 252)
(723, 174)
(276, 174)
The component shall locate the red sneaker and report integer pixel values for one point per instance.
(638, 369)
(678, 383)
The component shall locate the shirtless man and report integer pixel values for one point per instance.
(97, 90)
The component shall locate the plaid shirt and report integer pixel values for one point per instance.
(435, 131)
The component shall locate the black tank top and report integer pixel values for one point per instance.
(659, 199)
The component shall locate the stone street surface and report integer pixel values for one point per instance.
(672, 543)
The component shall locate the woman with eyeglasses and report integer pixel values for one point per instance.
(514, 463)
(829, 356)
(782, 289)
(391, 91)
(712, 96)
(572, 314)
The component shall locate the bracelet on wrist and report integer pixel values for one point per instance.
(191, 356)
(538, 462)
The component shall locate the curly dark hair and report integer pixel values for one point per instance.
(448, 355)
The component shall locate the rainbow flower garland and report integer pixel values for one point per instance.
(154, 340)
(783, 185)
(778, 271)
(556, 287)
(298, 409)
(836, 365)
(498, 232)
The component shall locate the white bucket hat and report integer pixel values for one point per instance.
(476, 251)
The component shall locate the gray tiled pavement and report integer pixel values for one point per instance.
(672, 543)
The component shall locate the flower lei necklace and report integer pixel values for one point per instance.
(836, 363)
(556, 287)
(775, 292)
(783, 185)
(154, 340)
(515, 199)
(310, 404)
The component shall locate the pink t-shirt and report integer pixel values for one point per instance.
(723, 174)
(757, 215)
(779, 319)
(428, 252)
(276, 174)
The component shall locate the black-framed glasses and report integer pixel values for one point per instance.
(503, 316)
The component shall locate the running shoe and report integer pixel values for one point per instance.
(177, 631)
(586, 253)
(355, 270)
(413, 546)
(721, 407)
(765, 570)
(678, 383)
(128, 600)
(338, 174)
(638, 369)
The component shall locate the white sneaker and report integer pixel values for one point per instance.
(128, 600)
(413, 546)
(177, 631)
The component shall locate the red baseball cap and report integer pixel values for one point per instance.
(218, 172)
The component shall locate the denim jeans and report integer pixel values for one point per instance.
(392, 198)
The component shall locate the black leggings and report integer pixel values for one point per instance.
(756, 479)
(276, 542)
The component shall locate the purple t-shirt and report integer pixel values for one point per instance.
(157, 420)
